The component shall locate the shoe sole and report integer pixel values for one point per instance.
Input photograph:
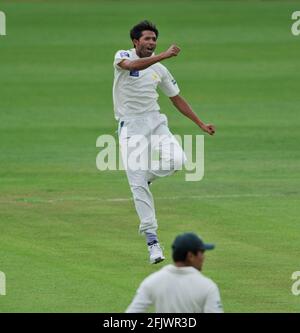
(157, 260)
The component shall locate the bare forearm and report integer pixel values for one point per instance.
(143, 63)
(186, 110)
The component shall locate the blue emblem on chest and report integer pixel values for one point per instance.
(134, 73)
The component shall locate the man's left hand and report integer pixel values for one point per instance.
(208, 128)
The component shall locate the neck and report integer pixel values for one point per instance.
(138, 54)
(181, 264)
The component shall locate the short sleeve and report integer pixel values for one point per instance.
(168, 84)
(119, 56)
(213, 302)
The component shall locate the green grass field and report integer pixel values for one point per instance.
(68, 240)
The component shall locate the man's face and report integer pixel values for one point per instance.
(146, 45)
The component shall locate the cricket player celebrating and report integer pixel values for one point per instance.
(137, 75)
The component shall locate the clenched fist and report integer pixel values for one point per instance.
(172, 51)
(208, 128)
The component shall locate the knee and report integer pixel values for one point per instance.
(139, 189)
(178, 160)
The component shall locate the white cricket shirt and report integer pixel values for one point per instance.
(134, 92)
(177, 290)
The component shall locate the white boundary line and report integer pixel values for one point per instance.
(195, 197)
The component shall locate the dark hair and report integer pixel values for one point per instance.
(136, 31)
(179, 255)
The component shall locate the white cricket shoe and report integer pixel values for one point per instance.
(156, 254)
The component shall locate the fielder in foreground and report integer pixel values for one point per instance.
(137, 75)
(180, 288)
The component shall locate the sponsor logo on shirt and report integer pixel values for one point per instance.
(155, 77)
(124, 54)
(134, 73)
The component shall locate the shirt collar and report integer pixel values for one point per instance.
(181, 270)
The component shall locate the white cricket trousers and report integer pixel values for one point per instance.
(145, 139)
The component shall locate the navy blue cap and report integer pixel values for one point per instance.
(190, 242)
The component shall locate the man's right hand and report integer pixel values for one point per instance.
(172, 51)
(143, 63)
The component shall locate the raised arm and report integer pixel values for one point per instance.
(143, 63)
(185, 109)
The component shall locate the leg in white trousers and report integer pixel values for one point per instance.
(171, 158)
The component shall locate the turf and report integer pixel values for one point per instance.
(68, 240)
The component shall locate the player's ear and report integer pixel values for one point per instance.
(189, 256)
(135, 42)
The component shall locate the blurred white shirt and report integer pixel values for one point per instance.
(177, 290)
(134, 92)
